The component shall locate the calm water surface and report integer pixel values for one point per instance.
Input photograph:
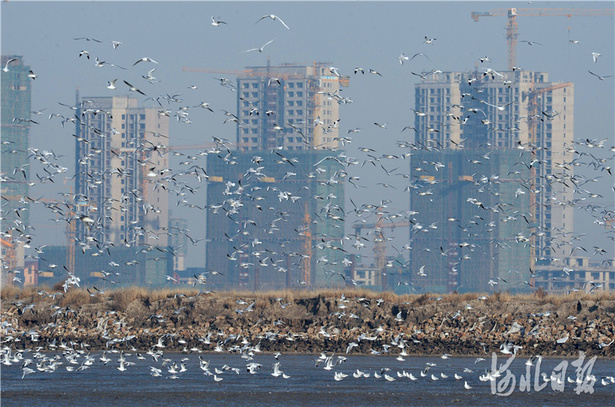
(105, 385)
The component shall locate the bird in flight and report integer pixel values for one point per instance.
(111, 84)
(599, 76)
(87, 39)
(261, 48)
(216, 23)
(531, 42)
(429, 40)
(145, 59)
(274, 18)
(595, 56)
(133, 89)
(6, 66)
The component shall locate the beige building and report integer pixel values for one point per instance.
(121, 165)
(295, 107)
(576, 274)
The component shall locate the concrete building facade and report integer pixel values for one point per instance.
(275, 220)
(119, 173)
(15, 171)
(491, 114)
(294, 107)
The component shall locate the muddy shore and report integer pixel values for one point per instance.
(340, 321)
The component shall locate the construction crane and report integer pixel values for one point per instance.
(512, 30)
(379, 243)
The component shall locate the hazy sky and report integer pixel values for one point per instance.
(346, 34)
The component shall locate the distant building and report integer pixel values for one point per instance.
(514, 129)
(470, 227)
(120, 164)
(294, 107)
(121, 199)
(178, 241)
(275, 219)
(576, 274)
(516, 110)
(15, 171)
(120, 266)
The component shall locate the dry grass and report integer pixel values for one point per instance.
(120, 298)
(75, 297)
(10, 293)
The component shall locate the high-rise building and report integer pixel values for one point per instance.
(16, 122)
(295, 107)
(178, 241)
(120, 193)
(275, 206)
(514, 128)
(275, 220)
(470, 230)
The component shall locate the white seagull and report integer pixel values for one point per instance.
(261, 48)
(599, 76)
(595, 56)
(145, 59)
(274, 17)
(216, 23)
(531, 42)
(6, 66)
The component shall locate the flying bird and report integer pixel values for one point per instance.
(216, 23)
(133, 89)
(6, 66)
(145, 59)
(419, 54)
(261, 48)
(595, 56)
(531, 42)
(87, 39)
(274, 18)
(600, 76)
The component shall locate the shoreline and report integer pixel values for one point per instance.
(357, 322)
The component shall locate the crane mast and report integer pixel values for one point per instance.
(512, 29)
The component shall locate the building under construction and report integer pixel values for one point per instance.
(289, 106)
(275, 219)
(116, 267)
(275, 207)
(471, 221)
(16, 122)
(120, 197)
(508, 117)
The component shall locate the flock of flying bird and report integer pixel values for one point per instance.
(48, 160)
(236, 354)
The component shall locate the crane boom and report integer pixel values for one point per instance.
(512, 30)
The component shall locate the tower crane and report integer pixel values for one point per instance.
(512, 30)
(379, 243)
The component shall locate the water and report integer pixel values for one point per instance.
(105, 385)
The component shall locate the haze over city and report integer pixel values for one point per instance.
(181, 38)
